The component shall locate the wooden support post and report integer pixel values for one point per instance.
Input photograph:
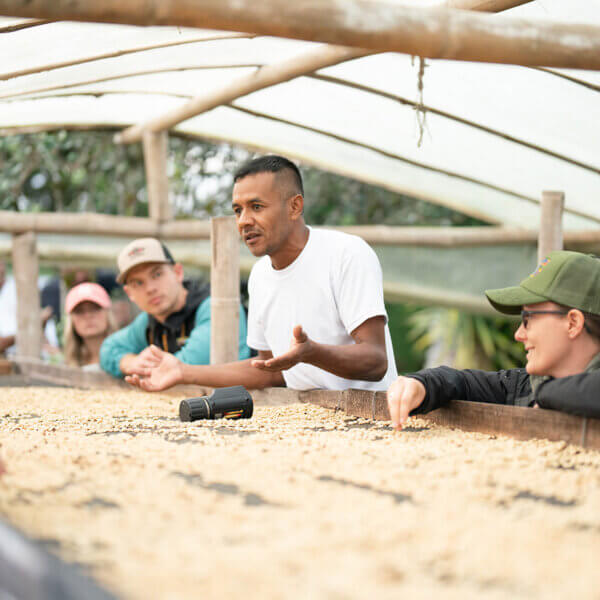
(551, 234)
(25, 269)
(225, 290)
(155, 162)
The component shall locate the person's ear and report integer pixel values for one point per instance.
(296, 206)
(575, 323)
(178, 269)
(129, 292)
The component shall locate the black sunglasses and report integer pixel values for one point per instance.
(525, 314)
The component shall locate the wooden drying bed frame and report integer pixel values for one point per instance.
(495, 419)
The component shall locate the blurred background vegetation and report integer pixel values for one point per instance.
(77, 171)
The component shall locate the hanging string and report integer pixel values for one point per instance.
(421, 112)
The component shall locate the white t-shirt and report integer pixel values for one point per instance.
(333, 286)
(8, 315)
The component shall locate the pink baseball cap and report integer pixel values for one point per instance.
(91, 292)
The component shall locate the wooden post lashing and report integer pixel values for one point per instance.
(551, 233)
(155, 162)
(26, 270)
(225, 290)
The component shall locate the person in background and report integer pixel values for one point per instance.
(175, 313)
(89, 322)
(559, 304)
(8, 318)
(8, 312)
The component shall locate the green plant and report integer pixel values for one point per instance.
(465, 341)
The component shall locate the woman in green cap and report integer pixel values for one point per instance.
(559, 304)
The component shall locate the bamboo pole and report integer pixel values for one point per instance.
(551, 234)
(21, 25)
(224, 290)
(491, 6)
(26, 271)
(378, 25)
(96, 224)
(190, 229)
(155, 163)
(130, 74)
(265, 77)
(114, 54)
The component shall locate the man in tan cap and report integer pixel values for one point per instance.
(559, 304)
(175, 313)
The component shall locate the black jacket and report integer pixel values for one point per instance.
(577, 394)
(171, 335)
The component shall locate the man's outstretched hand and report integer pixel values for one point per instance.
(300, 350)
(404, 395)
(166, 373)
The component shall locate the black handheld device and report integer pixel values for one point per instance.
(224, 403)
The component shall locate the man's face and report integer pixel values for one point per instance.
(155, 288)
(261, 213)
(545, 339)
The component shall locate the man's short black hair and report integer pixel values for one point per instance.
(271, 164)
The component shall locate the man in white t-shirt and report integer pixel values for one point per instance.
(316, 314)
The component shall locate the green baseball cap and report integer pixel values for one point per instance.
(568, 278)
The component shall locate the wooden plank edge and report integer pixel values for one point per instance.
(67, 376)
(517, 422)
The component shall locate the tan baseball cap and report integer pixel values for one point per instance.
(144, 250)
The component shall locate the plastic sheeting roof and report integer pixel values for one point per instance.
(465, 160)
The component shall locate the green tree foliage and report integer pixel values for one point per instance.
(335, 200)
(465, 341)
(85, 171)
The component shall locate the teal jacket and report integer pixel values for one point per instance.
(196, 350)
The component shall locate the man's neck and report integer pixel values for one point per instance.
(176, 307)
(295, 243)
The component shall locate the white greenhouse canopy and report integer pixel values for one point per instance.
(494, 136)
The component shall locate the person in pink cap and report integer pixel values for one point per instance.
(89, 322)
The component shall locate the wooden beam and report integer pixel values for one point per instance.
(378, 25)
(518, 422)
(491, 6)
(192, 229)
(129, 74)
(224, 291)
(65, 375)
(96, 224)
(26, 271)
(22, 25)
(157, 181)
(551, 234)
(262, 78)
